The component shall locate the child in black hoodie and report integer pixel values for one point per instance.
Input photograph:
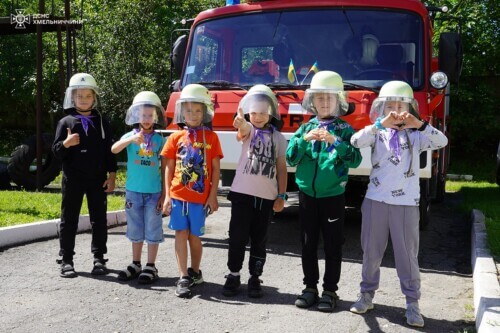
(83, 143)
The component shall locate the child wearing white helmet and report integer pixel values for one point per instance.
(322, 152)
(192, 174)
(83, 143)
(391, 204)
(258, 187)
(144, 187)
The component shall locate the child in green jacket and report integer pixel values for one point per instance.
(322, 153)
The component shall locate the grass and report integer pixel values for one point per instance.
(481, 193)
(19, 207)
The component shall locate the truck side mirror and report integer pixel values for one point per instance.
(451, 55)
(178, 53)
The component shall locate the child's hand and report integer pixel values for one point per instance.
(410, 121)
(167, 206)
(278, 205)
(109, 184)
(393, 120)
(313, 135)
(326, 136)
(212, 204)
(239, 120)
(138, 138)
(71, 139)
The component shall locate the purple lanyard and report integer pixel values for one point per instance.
(85, 122)
(192, 131)
(259, 135)
(394, 143)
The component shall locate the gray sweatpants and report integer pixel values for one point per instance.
(402, 223)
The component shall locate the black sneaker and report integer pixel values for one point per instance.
(182, 289)
(231, 286)
(99, 267)
(196, 278)
(254, 288)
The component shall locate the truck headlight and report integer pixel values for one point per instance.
(439, 80)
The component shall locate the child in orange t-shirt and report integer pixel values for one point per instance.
(191, 179)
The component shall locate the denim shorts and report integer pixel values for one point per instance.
(187, 216)
(144, 221)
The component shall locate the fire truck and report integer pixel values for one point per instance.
(283, 43)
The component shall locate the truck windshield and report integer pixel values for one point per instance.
(366, 47)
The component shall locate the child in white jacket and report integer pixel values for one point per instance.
(391, 204)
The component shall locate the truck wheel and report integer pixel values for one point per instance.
(23, 156)
(4, 177)
(425, 203)
(443, 164)
(227, 177)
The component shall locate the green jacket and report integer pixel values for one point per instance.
(322, 169)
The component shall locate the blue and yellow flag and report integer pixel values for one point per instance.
(314, 67)
(291, 72)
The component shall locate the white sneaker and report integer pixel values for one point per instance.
(413, 316)
(363, 304)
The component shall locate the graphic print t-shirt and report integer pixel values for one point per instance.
(143, 165)
(192, 176)
(256, 171)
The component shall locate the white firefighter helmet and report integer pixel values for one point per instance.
(260, 93)
(326, 85)
(194, 93)
(80, 81)
(144, 101)
(394, 91)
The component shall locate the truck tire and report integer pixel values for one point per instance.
(227, 177)
(425, 203)
(4, 177)
(23, 156)
(443, 163)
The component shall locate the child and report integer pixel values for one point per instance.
(391, 202)
(144, 198)
(322, 152)
(258, 187)
(191, 179)
(83, 143)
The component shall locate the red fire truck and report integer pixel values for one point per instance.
(232, 48)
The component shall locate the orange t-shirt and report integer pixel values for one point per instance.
(193, 163)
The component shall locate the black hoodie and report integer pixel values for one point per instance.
(92, 157)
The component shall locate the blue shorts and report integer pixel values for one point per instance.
(144, 221)
(187, 216)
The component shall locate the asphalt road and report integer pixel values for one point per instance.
(34, 299)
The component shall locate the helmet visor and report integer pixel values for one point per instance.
(325, 103)
(382, 106)
(81, 97)
(188, 109)
(259, 103)
(144, 114)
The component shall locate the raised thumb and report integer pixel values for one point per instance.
(69, 131)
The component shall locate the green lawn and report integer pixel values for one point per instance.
(481, 193)
(18, 207)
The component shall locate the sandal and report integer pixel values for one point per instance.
(148, 275)
(99, 267)
(129, 273)
(309, 297)
(67, 271)
(328, 301)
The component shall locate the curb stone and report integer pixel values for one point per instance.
(24, 233)
(485, 278)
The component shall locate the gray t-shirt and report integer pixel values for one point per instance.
(256, 171)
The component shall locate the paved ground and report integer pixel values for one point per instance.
(34, 299)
